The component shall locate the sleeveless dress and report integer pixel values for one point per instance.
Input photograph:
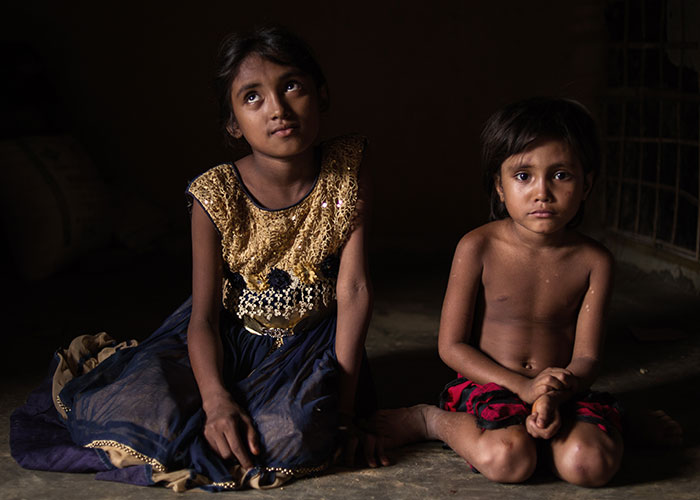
(133, 412)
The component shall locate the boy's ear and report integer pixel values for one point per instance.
(499, 187)
(233, 129)
(587, 184)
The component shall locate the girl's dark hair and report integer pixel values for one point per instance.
(274, 43)
(513, 129)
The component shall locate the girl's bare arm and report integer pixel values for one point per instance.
(354, 295)
(226, 421)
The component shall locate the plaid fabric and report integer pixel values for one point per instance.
(496, 407)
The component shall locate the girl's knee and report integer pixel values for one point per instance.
(508, 459)
(588, 463)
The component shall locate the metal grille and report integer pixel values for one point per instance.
(651, 125)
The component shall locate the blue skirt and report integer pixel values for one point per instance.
(143, 403)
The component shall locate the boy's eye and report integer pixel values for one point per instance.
(252, 97)
(522, 176)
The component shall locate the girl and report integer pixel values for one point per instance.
(254, 379)
(523, 315)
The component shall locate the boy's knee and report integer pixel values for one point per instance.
(588, 464)
(510, 459)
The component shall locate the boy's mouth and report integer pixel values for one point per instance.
(542, 214)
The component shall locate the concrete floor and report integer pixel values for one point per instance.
(652, 360)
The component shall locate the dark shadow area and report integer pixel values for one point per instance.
(410, 377)
(126, 295)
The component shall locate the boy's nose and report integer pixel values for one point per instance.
(543, 191)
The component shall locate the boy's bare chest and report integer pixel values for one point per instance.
(540, 291)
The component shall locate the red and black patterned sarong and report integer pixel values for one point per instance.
(496, 407)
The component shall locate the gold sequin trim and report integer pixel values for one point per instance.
(295, 240)
(301, 471)
(230, 485)
(62, 405)
(157, 466)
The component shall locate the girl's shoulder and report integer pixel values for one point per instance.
(217, 190)
(220, 177)
(343, 154)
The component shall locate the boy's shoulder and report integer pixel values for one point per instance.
(495, 234)
(591, 250)
(481, 239)
(485, 234)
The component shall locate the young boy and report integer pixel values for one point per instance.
(523, 315)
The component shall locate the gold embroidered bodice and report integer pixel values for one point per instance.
(281, 265)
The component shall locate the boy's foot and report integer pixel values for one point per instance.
(654, 428)
(401, 425)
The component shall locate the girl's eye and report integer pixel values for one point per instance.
(292, 86)
(252, 97)
(561, 176)
(522, 176)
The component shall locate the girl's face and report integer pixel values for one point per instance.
(543, 187)
(276, 108)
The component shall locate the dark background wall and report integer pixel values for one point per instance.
(131, 81)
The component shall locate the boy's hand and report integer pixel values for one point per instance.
(544, 421)
(548, 380)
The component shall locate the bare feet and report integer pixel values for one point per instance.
(402, 425)
(654, 428)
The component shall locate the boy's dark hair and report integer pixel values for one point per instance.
(512, 129)
(272, 42)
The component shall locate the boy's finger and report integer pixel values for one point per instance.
(530, 425)
(542, 421)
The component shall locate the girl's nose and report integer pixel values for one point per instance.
(277, 107)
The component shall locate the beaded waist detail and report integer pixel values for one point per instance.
(258, 326)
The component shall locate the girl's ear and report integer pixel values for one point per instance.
(499, 187)
(587, 184)
(233, 129)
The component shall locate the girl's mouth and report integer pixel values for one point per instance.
(284, 130)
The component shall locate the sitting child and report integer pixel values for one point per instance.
(523, 316)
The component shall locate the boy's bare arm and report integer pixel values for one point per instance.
(590, 325)
(457, 322)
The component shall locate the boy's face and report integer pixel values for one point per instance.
(543, 186)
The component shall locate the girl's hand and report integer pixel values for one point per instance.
(544, 421)
(229, 431)
(351, 436)
(548, 380)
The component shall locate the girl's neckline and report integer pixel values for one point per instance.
(259, 205)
